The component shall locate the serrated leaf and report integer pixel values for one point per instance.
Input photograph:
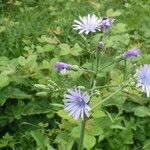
(42, 141)
(142, 111)
(64, 49)
(7, 141)
(45, 48)
(76, 50)
(12, 92)
(119, 28)
(37, 107)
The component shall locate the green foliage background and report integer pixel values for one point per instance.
(34, 34)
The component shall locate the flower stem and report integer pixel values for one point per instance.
(97, 61)
(86, 70)
(105, 99)
(106, 66)
(125, 67)
(82, 133)
(105, 86)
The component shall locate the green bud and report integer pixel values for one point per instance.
(52, 82)
(81, 87)
(74, 67)
(41, 94)
(51, 87)
(40, 86)
(118, 58)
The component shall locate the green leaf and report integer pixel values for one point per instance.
(117, 127)
(42, 141)
(45, 48)
(2, 29)
(64, 49)
(118, 41)
(7, 141)
(95, 40)
(117, 76)
(11, 92)
(64, 141)
(37, 107)
(94, 100)
(21, 61)
(142, 111)
(111, 13)
(74, 75)
(89, 141)
(76, 50)
(94, 128)
(4, 80)
(98, 114)
(64, 115)
(146, 145)
(75, 132)
(119, 28)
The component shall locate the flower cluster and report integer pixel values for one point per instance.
(75, 100)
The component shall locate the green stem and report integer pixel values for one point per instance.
(90, 71)
(125, 66)
(106, 66)
(105, 99)
(82, 133)
(105, 86)
(97, 61)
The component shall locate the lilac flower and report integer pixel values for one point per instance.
(106, 24)
(76, 103)
(143, 77)
(87, 24)
(62, 67)
(134, 52)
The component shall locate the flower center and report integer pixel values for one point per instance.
(80, 101)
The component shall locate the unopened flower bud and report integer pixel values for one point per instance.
(41, 94)
(101, 45)
(74, 67)
(41, 87)
(50, 86)
(52, 82)
(81, 87)
(118, 58)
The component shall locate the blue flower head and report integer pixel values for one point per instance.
(131, 53)
(143, 78)
(106, 24)
(62, 67)
(87, 24)
(76, 103)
